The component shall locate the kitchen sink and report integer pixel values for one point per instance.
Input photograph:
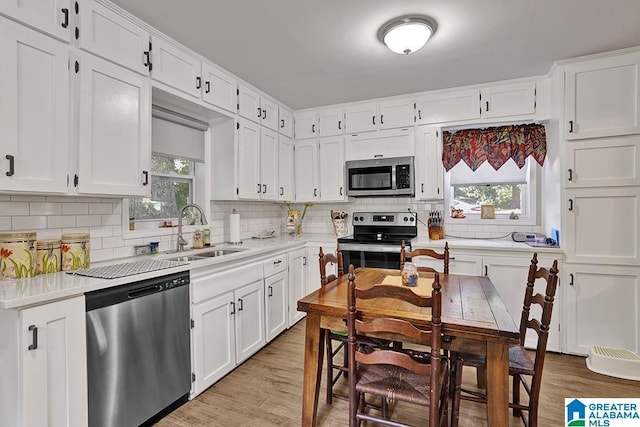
(217, 252)
(185, 258)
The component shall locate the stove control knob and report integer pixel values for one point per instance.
(355, 219)
(406, 219)
(361, 218)
(411, 219)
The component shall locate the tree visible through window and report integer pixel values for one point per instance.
(171, 189)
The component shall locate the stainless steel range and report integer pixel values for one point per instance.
(377, 237)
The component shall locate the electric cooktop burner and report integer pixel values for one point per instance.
(382, 228)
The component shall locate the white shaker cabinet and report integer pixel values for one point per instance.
(361, 118)
(298, 278)
(389, 114)
(448, 106)
(35, 146)
(257, 108)
(331, 167)
(602, 307)
(250, 327)
(508, 100)
(176, 68)
(114, 136)
(330, 122)
(108, 34)
(51, 16)
(285, 124)
(429, 169)
(268, 164)
(248, 168)
(285, 169)
(306, 170)
(219, 88)
(276, 291)
(602, 97)
(305, 125)
(44, 380)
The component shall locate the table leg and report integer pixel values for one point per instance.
(313, 356)
(497, 384)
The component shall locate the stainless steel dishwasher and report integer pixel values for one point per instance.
(138, 351)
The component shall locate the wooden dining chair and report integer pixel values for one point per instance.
(523, 369)
(387, 372)
(334, 370)
(405, 255)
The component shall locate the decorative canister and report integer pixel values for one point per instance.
(75, 251)
(197, 239)
(17, 255)
(48, 256)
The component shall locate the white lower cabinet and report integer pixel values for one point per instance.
(44, 380)
(298, 267)
(602, 308)
(276, 291)
(228, 321)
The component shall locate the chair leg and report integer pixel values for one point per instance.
(481, 378)
(516, 395)
(457, 389)
(329, 351)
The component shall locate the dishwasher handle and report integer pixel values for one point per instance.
(142, 292)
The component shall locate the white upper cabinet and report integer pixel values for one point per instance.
(248, 169)
(429, 169)
(306, 171)
(256, 108)
(603, 97)
(35, 149)
(51, 16)
(219, 88)
(331, 167)
(396, 113)
(361, 118)
(175, 68)
(268, 164)
(285, 123)
(114, 137)
(285, 168)
(448, 106)
(384, 143)
(306, 125)
(330, 122)
(111, 36)
(508, 100)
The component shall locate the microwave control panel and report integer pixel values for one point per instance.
(403, 176)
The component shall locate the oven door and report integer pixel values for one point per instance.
(371, 255)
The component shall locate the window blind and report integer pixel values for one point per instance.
(175, 135)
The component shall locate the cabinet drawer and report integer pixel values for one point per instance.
(275, 265)
(207, 285)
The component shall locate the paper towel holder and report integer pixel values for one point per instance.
(234, 221)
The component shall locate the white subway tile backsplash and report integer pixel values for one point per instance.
(4, 198)
(88, 220)
(101, 255)
(100, 208)
(101, 231)
(48, 208)
(112, 242)
(14, 208)
(37, 222)
(112, 219)
(61, 221)
(5, 223)
(75, 208)
(21, 198)
(60, 199)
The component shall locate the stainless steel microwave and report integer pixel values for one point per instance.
(380, 177)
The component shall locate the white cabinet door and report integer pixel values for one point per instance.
(603, 225)
(509, 277)
(114, 140)
(603, 162)
(54, 365)
(50, 16)
(396, 113)
(248, 172)
(214, 341)
(285, 168)
(361, 118)
(306, 170)
(429, 169)
(250, 329)
(508, 100)
(276, 304)
(34, 111)
(297, 261)
(305, 125)
(331, 166)
(448, 107)
(330, 122)
(383, 143)
(602, 307)
(312, 263)
(285, 124)
(249, 104)
(268, 164)
(111, 36)
(603, 97)
(269, 114)
(219, 88)
(176, 68)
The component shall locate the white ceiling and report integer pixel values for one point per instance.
(313, 53)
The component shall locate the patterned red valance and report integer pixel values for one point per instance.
(496, 145)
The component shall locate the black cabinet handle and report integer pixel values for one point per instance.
(264, 188)
(281, 123)
(259, 188)
(282, 191)
(147, 60)
(264, 114)
(146, 178)
(270, 294)
(34, 330)
(373, 120)
(277, 262)
(340, 124)
(315, 192)
(486, 270)
(381, 119)
(198, 82)
(12, 165)
(313, 128)
(304, 260)
(422, 187)
(487, 109)
(570, 279)
(341, 191)
(419, 114)
(233, 308)
(570, 175)
(259, 112)
(207, 87)
(570, 126)
(240, 305)
(570, 204)
(65, 22)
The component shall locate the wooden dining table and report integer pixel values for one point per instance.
(474, 320)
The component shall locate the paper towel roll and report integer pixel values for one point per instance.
(234, 228)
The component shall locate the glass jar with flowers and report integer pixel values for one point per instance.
(295, 218)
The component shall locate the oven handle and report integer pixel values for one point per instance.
(363, 247)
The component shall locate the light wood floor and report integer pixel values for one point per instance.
(266, 391)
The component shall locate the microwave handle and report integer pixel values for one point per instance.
(378, 156)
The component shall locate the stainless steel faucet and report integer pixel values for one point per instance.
(181, 243)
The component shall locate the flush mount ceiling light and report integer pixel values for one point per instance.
(407, 34)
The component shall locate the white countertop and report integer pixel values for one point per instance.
(484, 244)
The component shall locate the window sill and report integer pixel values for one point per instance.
(156, 232)
(476, 220)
